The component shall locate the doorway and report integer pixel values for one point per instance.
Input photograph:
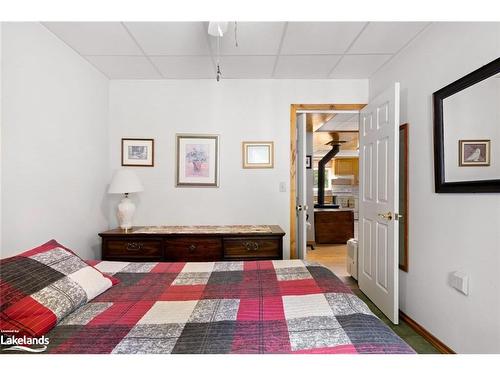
(332, 174)
(378, 155)
(323, 113)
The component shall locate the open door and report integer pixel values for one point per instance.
(301, 205)
(378, 203)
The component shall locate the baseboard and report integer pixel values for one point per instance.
(438, 344)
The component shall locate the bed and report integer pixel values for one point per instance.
(285, 306)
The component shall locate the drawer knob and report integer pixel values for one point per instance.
(134, 246)
(251, 245)
(192, 248)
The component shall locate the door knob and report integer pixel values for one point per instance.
(387, 215)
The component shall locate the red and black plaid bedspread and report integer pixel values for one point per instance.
(224, 307)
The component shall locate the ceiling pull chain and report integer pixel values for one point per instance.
(236, 34)
(219, 73)
(217, 30)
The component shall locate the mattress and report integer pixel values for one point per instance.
(285, 306)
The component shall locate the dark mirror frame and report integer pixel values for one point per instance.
(480, 186)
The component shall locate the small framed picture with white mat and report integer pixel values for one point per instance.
(138, 152)
(258, 154)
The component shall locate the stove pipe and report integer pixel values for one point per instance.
(321, 172)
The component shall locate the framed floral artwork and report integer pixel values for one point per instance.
(197, 161)
(138, 152)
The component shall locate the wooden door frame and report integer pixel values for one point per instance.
(293, 151)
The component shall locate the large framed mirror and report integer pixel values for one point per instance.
(467, 133)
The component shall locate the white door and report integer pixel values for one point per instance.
(301, 205)
(378, 203)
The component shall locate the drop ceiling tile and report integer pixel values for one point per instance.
(358, 66)
(185, 67)
(171, 38)
(319, 37)
(124, 67)
(247, 66)
(96, 38)
(386, 37)
(305, 66)
(254, 38)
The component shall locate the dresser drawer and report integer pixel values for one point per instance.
(193, 249)
(252, 248)
(133, 249)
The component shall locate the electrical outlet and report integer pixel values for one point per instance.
(282, 187)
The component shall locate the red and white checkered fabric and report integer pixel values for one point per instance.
(42, 286)
(283, 306)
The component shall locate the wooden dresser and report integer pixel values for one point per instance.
(193, 243)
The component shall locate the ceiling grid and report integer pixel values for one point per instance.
(276, 50)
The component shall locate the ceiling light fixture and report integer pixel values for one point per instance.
(217, 29)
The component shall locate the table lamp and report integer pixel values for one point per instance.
(125, 182)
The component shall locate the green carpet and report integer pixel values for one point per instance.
(403, 330)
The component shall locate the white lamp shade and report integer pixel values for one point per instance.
(125, 181)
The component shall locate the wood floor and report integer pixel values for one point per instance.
(334, 258)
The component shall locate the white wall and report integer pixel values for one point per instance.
(238, 110)
(447, 232)
(54, 143)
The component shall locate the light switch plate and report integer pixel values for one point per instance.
(282, 187)
(460, 281)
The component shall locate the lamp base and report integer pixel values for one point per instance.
(126, 210)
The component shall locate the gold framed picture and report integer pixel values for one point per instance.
(258, 154)
(474, 153)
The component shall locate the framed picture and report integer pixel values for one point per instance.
(474, 153)
(197, 160)
(308, 161)
(258, 154)
(138, 152)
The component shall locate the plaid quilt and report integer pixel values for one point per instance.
(285, 306)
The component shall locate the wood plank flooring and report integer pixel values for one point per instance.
(334, 258)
